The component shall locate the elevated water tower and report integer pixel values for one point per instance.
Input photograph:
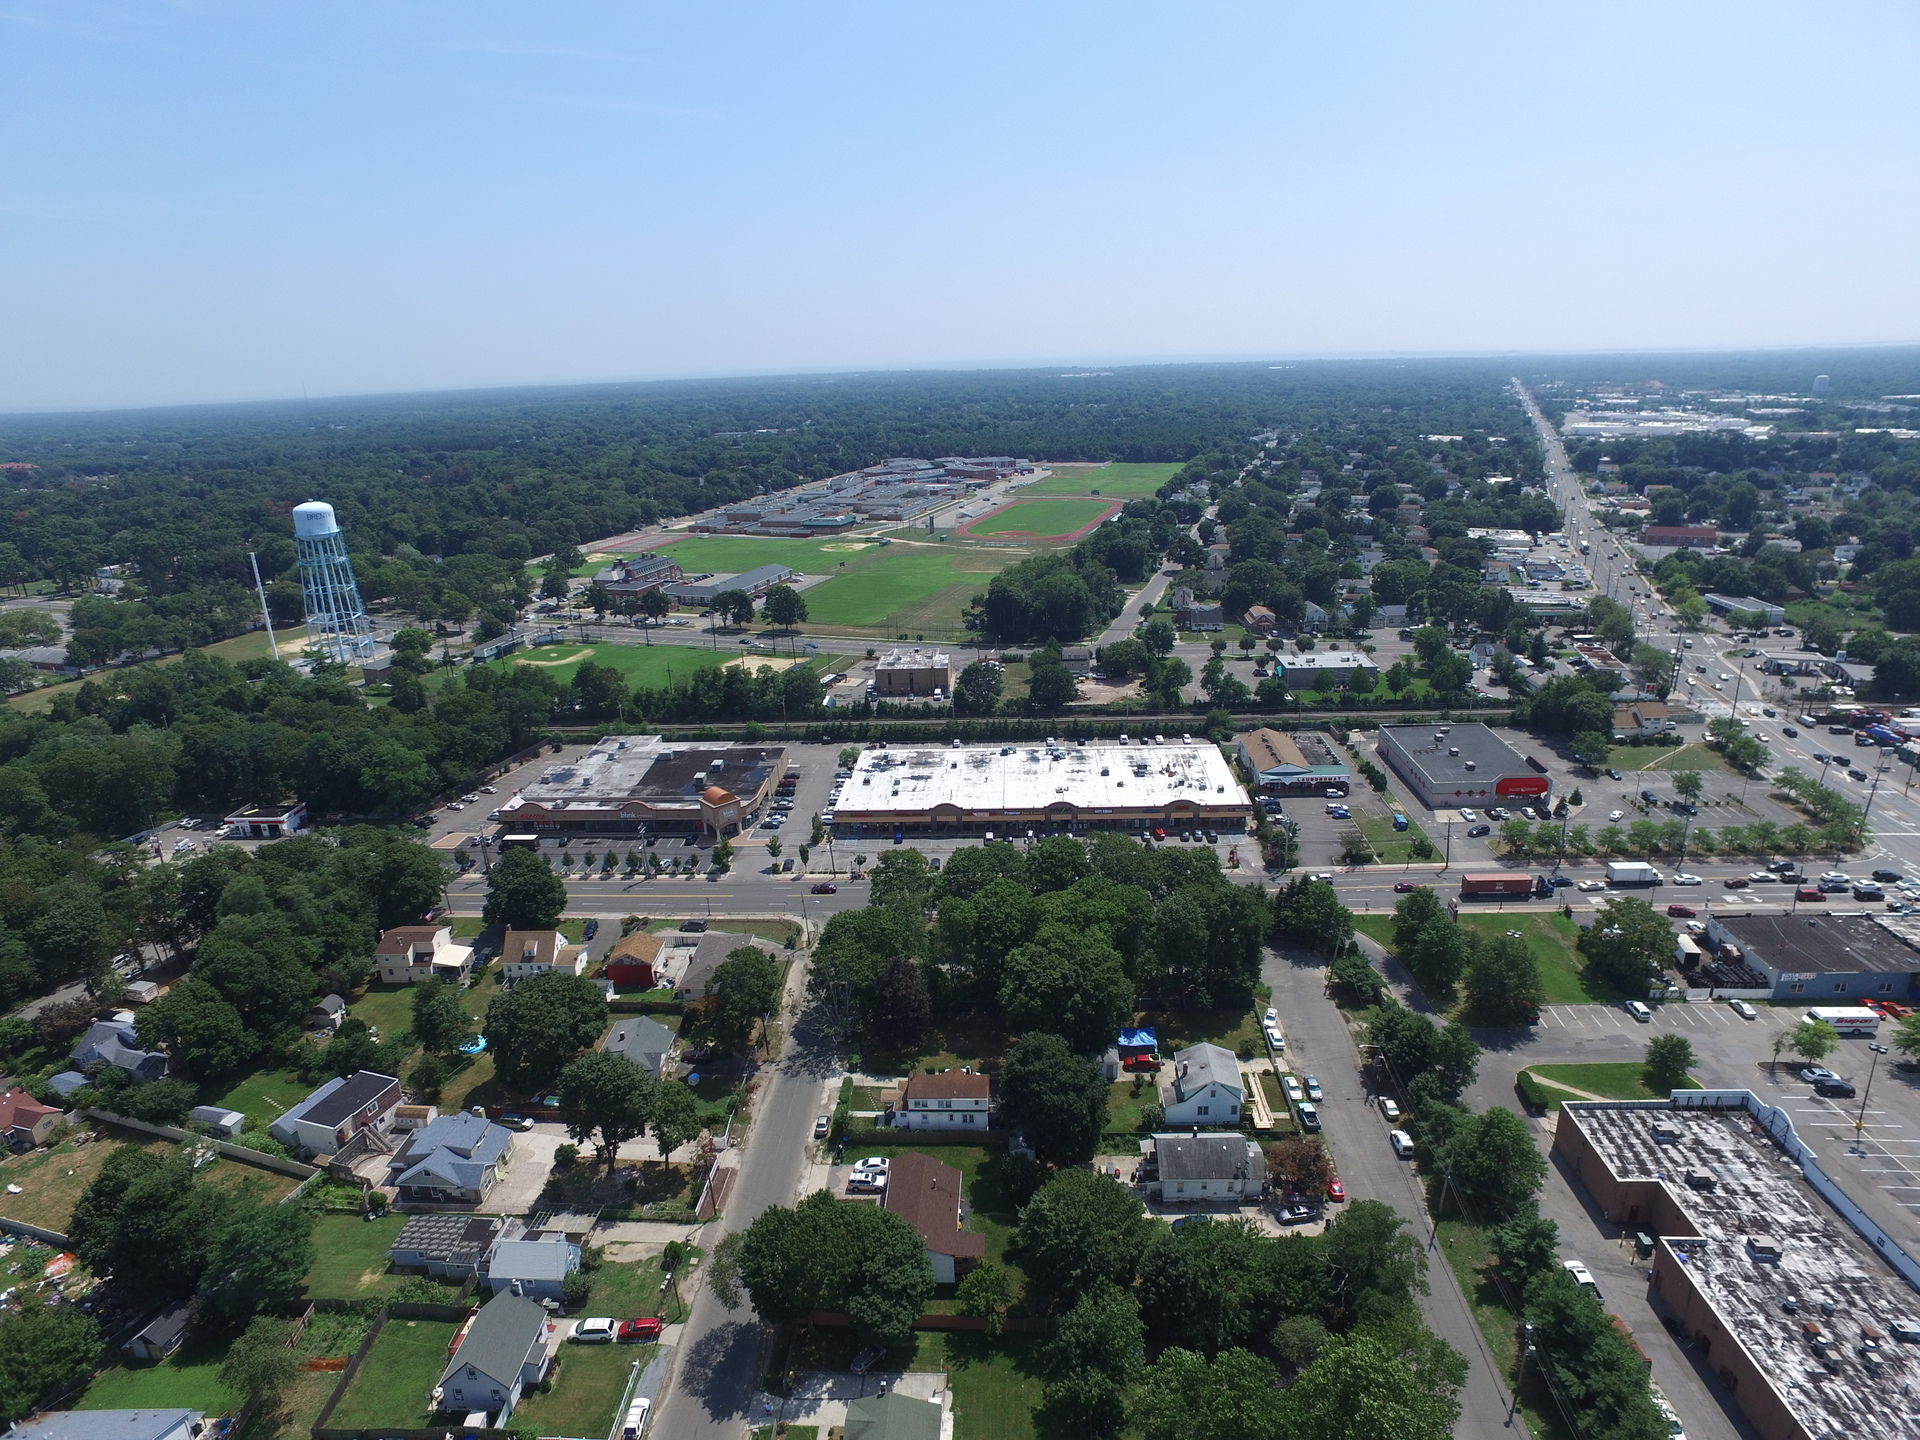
(337, 626)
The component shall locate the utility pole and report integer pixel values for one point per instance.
(1520, 1377)
(266, 615)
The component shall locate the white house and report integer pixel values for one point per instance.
(1194, 1168)
(411, 954)
(527, 953)
(1205, 1088)
(951, 1100)
(507, 1348)
(929, 1196)
(326, 1120)
(111, 1425)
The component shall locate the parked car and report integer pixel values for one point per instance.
(1835, 1090)
(592, 929)
(1310, 1119)
(1336, 1192)
(1582, 1276)
(1638, 1011)
(1468, 815)
(1389, 1108)
(597, 1331)
(1297, 1213)
(1477, 831)
(1275, 1038)
(1613, 774)
(1292, 1087)
(647, 1328)
(1313, 1090)
(1744, 1010)
(693, 927)
(821, 1126)
(516, 1122)
(1814, 1074)
(1402, 1143)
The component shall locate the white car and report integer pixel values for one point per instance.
(1275, 1038)
(873, 1164)
(1292, 1087)
(1581, 1275)
(1616, 815)
(1402, 1143)
(1638, 1011)
(1468, 815)
(596, 1331)
(1313, 1090)
(1688, 880)
(1389, 1108)
(1272, 1017)
(1744, 1010)
(1587, 887)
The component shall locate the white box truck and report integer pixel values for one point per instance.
(1848, 1021)
(1631, 872)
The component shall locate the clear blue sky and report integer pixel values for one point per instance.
(208, 201)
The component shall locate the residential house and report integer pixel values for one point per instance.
(634, 962)
(453, 1160)
(1390, 617)
(534, 1266)
(1260, 620)
(1194, 1168)
(113, 1042)
(951, 1100)
(112, 1425)
(643, 1040)
(892, 1416)
(324, 1122)
(221, 1121)
(411, 954)
(1205, 1088)
(927, 1195)
(24, 1121)
(1190, 613)
(527, 953)
(161, 1336)
(508, 1348)
(452, 1247)
(327, 1014)
(1642, 717)
(706, 955)
(1313, 618)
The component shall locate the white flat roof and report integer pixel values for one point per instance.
(981, 779)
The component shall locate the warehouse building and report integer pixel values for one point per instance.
(1016, 791)
(1447, 766)
(913, 672)
(1789, 1305)
(1724, 605)
(632, 785)
(1299, 762)
(1819, 957)
(1324, 670)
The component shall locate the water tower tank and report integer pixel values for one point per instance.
(314, 519)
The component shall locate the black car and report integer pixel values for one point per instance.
(1893, 875)
(1856, 775)
(1790, 732)
(1820, 757)
(1479, 830)
(1681, 807)
(593, 929)
(1561, 881)
(1835, 1090)
(1614, 775)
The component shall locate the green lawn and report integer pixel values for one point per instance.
(1551, 938)
(392, 1385)
(1665, 757)
(996, 1384)
(252, 645)
(263, 1097)
(1472, 1264)
(186, 1380)
(1119, 481)
(1391, 846)
(1614, 1079)
(351, 1257)
(781, 932)
(1041, 518)
(389, 1008)
(912, 586)
(588, 1385)
(651, 666)
(1124, 1107)
(1228, 1026)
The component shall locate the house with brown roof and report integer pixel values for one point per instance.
(24, 1121)
(634, 962)
(950, 1100)
(413, 954)
(927, 1195)
(527, 953)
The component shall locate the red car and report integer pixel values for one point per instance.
(823, 888)
(1684, 912)
(1806, 894)
(1401, 887)
(1736, 882)
(648, 1329)
(1893, 1011)
(1335, 1190)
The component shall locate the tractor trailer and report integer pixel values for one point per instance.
(1495, 887)
(1631, 872)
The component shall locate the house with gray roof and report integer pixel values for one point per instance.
(450, 1246)
(112, 1425)
(1193, 1167)
(113, 1042)
(508, 1348)
(161, 1336)
(1205, 1088)
(453, 1160)
(534, 1265)
(326, 1120)
(892, 1417)
(643, 1040)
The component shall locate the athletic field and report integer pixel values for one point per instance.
(906, 587)
(1119, 480)
(1041, 519)
(651, 666)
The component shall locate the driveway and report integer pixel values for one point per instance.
(518, 1191)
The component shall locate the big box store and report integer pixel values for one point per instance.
(1447, 766)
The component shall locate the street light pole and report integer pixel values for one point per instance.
(1520, 1377)
(1860, 1121)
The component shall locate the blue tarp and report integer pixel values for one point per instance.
(1138, 1040)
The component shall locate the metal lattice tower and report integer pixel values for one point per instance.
(337, 626)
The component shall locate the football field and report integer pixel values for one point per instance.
(1120, 480)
